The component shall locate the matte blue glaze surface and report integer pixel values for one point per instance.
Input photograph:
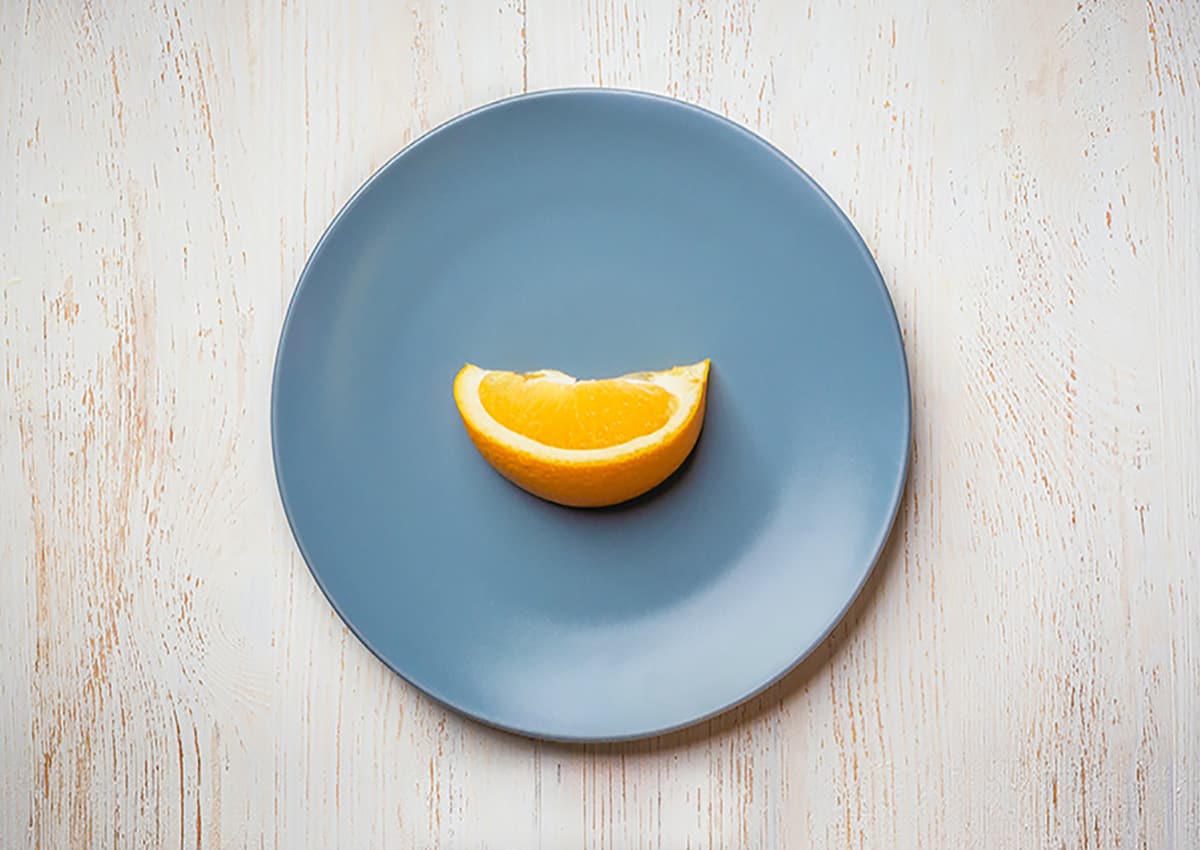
(597, 232)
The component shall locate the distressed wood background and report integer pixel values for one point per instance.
(1024, 668)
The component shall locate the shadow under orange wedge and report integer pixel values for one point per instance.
(586, 444)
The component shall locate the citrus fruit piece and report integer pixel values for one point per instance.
(586, 444)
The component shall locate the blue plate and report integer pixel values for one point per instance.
(596, 232)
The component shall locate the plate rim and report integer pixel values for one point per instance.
(896, 497)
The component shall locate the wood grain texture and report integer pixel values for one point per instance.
(1023, 669)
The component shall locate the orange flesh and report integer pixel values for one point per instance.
(582, 415)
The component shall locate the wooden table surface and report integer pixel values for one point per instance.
(1023, 669)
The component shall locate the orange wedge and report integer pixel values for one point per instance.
(585, 444)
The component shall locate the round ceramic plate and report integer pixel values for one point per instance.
(596, 232)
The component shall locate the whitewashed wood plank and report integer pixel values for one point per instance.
(177, 678)
(1004, 676)
(1023, 669)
